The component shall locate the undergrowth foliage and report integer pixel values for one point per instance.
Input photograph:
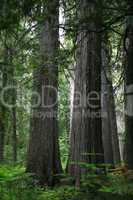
(15, 184)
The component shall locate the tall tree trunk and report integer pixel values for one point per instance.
(14, 135)
(86, 131)
(106, 126)
(109, 123)
(2, 133)
(114, 129)
(13, 99)
(2, 107)
(43, 153)
(14, 124)
(2, 129)
(13, 109)
(129, 87)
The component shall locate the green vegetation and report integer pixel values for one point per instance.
(16, 185)
(66, 104)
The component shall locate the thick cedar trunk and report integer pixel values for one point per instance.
(129, 88)
(14, 135)
(13, 96)
(109, 124)
(2, 130)
(86, 134)
(106, 126)
(3, 109)
(14, 127)
(43, 152)
(114, 130)
(2, 134)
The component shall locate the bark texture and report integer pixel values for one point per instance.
(14, 123)
(43, 152)
(2, 133)
(114, 129)
(106, 126)
(86, 131)
(3, 80)
(109, 123)
(129, 87)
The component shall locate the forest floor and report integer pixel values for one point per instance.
(16, 185)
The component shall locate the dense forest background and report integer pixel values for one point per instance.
(66, 99)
